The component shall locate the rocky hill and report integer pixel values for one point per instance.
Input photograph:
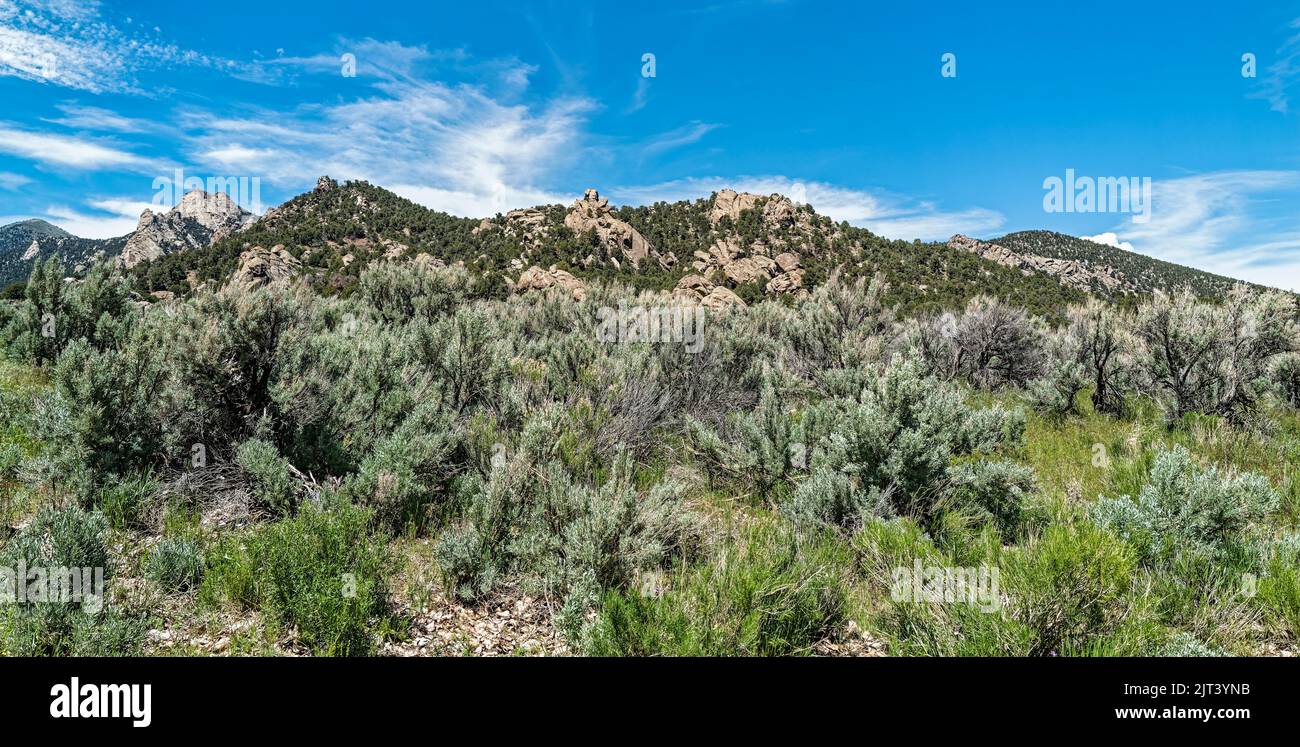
(729, 248)
(1104, 269)
(197, 221)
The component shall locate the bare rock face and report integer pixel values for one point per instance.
(729, 204)
(720, 298)
(273, 267)
(786, 282)
(592, 213)
(325, 184)
(744, 271)
(787, 228)
(1069, 272)
(788, 261)
(777, 210)
(529, 225)
(537, 279)
(697, 290)
(200, 220)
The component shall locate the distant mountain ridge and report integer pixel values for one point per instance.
(196, 222)
(729, 248)
(27, 242)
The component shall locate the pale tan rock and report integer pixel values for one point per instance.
(1069, 272)
(273, 267)
(720, 298)
(592, 213)
(744, 271)
(537, 279)
(788, 261)
(786, 282)
(695, 283)
(201, 219)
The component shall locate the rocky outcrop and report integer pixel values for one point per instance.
(789, 230)
(777, 211)
(695, 289)
(530, 226)
(726, 259)
(592, 213)
(1069, 272)
(273, 267)
(537, 279)
(201, 219)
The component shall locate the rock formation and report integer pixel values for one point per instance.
(694, 289)
(258, 266)
(200, 220)
(1069, 272)
(592, 213)
(537, 279)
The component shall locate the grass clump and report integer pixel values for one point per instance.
(770, 593)
(176, 564)
(321, 573)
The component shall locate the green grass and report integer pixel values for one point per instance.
(321, 572)
(769, 592)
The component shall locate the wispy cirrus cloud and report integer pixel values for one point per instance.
(1199, 220)
(1282, 75)
(890, 215)
(69, 151)
(687, 134)
(451, 147)
(12, 181)
(98, 119)
(66, 43)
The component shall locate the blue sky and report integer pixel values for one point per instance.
(481, 107)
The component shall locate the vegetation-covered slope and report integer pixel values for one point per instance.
(1147, 273)
(413, 468)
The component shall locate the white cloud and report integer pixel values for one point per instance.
(62, 150)
(65, 43)
(1224, 222)
(97, 118)
(122, 218)
(888, 215)
(641, 97)
(387, 60)
(239, 157)
(1109, 238)
(452, 148)
(1282, 74)
(687, 134)
(11, 181)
